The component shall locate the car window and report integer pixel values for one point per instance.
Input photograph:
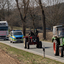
(61, 31)
(17, 33)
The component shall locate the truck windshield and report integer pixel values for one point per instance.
(17, 33)
(61, 31)
(4, 28)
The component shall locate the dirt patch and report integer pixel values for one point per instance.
(6, 59)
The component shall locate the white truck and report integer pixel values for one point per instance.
(4, 30)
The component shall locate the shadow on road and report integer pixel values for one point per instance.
(33, 48)
(17, 42)
(47, 47)
(39, 48)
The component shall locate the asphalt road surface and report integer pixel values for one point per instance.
(33, 49)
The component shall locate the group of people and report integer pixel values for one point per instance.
(33, 34)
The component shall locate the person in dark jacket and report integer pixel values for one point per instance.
(31, 33)
(36, 32)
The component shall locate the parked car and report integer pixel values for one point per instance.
(16, 36)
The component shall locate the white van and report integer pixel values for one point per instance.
(4, 30)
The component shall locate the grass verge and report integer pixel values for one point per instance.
(26, 57)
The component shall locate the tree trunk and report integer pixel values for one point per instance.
(44, 25)
(24, 28)
(23, 16)
(33, 26)
(43, 17)
(0, 19)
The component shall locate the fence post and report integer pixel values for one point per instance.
(44, 51)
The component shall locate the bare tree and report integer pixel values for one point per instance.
(32, 13)
(8, 7)
(43, 17)
(54, 13)
(2, 7)
(23, 15)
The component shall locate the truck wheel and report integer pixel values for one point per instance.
(61, 51)
(55, 48)
(4, 39)
(25, 43)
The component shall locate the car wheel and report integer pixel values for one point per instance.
(10, 41)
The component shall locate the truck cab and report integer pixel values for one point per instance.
(4, 30)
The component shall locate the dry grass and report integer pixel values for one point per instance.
(48, 36)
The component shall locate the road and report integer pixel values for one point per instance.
(33, 49)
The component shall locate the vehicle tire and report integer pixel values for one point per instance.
(61, 51)
(25, 43)
(4, 39)
(37, 46)
(56, 48)
(10, 41)
(40, 44)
